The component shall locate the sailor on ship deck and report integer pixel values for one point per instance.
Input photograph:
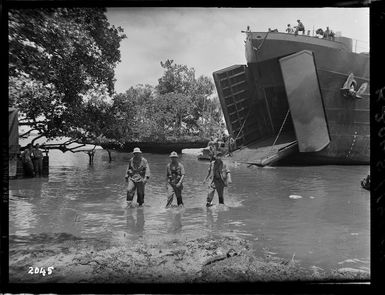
(289, 29)
(300, 27)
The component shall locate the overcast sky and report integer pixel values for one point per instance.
(209, 39)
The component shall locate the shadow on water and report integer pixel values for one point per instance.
(319, 213)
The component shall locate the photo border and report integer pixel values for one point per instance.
(377, 167)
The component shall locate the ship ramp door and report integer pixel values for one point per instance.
(249, 120)
(274, 108)
(293, 100)
(245, 117)
(266, 151)
(305, 101)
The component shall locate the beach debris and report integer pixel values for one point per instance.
(316, 268)
(354, 260)
(292, 261)
(230, 253)
(295, 197)
(351, 270)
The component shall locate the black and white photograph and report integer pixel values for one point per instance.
(189, 145)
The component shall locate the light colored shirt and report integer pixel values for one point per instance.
(140, 172)
(224, 173)
(37, 154)
(175, 172)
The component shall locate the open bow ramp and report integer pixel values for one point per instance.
(265, 152)
(277, 111)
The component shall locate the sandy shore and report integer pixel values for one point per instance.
(206, 259)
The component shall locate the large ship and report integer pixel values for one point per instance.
(299, 99)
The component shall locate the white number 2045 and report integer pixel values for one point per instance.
(40, 270)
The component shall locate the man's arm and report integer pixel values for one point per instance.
(147, 175)
(208, 174)
(182, 177)
(127, 172)
(167, 176)
(228, 175)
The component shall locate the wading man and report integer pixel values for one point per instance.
(175, 175)
(137, 175)
(219, 177)
(38, 160)
(26, 158)
(231, 145)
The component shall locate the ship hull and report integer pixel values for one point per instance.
(347, 118)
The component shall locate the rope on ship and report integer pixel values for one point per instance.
(342, 74)
(260, 45)
(243, 125)
(280, 130)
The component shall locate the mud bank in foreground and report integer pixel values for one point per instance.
(208, 259)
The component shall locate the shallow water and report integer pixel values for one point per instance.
(319, 214)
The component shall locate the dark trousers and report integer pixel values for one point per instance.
(299, 30)
(139, 188)
(173, 190)
(28, 168)
(38, 165)
(217, 185)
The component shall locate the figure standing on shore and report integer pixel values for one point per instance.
(26, 158)
(38, 160)
(137, 175)
(219, 177)
(211, 146)
(231, 145)
(175, 175)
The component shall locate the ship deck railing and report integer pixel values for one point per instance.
(358, 46)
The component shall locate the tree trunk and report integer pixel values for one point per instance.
(91, 157)
(36, 138)
(109, 156)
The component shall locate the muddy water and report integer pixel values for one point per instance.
(318, 214)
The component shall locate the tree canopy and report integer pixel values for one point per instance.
(61, 64)
(180, 106)
(61, 78)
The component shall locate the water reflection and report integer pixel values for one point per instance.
(135, 221)
(217, 218)
(328, 224)
(174, 220)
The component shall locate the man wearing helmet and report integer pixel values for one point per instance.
(175, 175)
(137, 175)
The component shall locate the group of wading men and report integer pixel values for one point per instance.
(138, 173)
(32, 159)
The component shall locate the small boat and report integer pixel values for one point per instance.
(205, 154)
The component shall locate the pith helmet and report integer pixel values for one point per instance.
(137, 150)
(174, 155)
